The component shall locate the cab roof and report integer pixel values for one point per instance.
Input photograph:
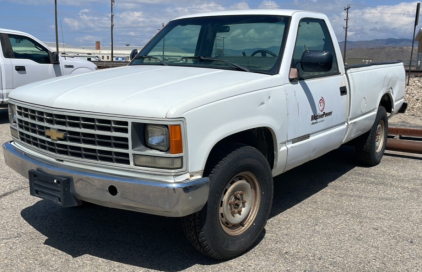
(10, 31)
(280, 12)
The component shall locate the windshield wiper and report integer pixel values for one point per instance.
(223, 60)
(152, 57)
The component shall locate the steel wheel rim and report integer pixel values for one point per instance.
(239, 203)
(379, 137)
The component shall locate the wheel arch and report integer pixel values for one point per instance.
(262, 138)
(387, 101)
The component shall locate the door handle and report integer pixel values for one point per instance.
(343, 90)
(20, 68)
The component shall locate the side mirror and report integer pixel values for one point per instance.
(316, 61)
(133, 53)
(54, 58)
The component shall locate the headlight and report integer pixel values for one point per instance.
(157, 137)
(165, 138)
(13, 118)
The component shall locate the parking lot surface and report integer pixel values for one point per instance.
(331, 214)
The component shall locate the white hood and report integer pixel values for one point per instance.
(141, 91)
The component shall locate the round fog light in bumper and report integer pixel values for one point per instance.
(158, 162)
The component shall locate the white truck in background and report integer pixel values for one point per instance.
(202, 119)
(24, 59)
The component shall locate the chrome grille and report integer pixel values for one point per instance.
(75, 151)
(78, 137)
(85, 138)
(74, 121)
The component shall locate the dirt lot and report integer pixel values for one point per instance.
(331, 214)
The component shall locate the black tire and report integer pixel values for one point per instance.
(218, 238)
(370, 147)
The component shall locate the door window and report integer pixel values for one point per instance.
(26, 48)
(313, 35)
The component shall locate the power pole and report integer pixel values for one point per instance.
(57, 32)
(112, 26)
(418, 7)
(346, 28)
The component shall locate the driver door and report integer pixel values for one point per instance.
(317, 103)
(30, 61)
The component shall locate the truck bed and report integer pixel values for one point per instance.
(387, 78)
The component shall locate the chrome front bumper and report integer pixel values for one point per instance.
(147, 196)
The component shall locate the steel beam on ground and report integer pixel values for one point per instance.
(405, 132)
(404, 146)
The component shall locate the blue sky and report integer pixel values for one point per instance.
(136, 21)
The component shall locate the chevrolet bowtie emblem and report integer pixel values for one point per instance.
(55, 135)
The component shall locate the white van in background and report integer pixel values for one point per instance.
(25, 59)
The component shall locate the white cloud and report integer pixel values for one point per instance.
(136, 21)
(138, 24)
(197, 8)
(72, 23)
(268, 5)
(43, 2)
(241, 5)
(88, 39)
(87, 20)
(377, 22)
(118, 3)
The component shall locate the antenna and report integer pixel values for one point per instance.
(112, 26)
(57, 35)
(346, 28)
(61, 27)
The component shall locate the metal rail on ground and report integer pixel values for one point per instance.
(411, 144)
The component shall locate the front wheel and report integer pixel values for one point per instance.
(240, 198)
(370, 147)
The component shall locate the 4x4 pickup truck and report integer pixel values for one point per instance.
(203, 118)
(24, 59)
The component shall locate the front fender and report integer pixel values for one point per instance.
(211, 123)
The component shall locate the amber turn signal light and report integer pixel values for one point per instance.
(176, 142)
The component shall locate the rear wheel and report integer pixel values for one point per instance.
(370, 147)
(240, 198)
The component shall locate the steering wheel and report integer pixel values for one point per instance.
(264, 53)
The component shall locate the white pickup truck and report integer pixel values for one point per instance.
(203, 118)
(24, 59)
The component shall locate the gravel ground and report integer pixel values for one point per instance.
(414, 97)
(331, 214)
(413, 116)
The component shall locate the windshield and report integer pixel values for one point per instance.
(252, 43)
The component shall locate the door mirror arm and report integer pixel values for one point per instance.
(294, 75)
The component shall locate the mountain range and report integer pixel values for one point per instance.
(391, 42)
(382, 50)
